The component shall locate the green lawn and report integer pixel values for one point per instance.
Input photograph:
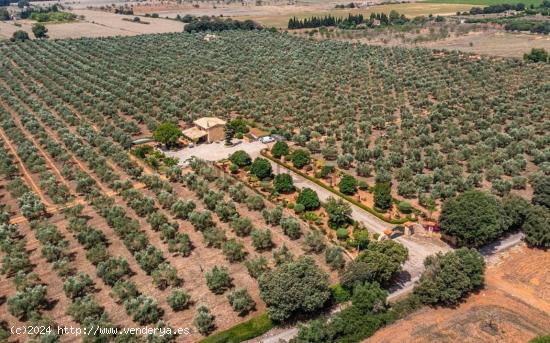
(252, 328)
(485, 2)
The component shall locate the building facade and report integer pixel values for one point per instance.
(206, 129)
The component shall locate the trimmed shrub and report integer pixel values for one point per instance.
(261, 168)
(279, 149)
(309, 199)
(283, 183)
(342, 234)
(348, 185)
(300, 158)
(240, 158)
(405, 207)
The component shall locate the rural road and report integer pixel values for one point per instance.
(277, 335)
(419, 248)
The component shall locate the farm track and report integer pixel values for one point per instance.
(26, 174)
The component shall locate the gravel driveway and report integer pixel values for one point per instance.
(217, 151)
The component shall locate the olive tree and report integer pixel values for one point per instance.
(78, 285)
(204, 320)
(178, 300)
(28, 302)
(218, 280)
(261, 240)
(241, 301)
(143, 310)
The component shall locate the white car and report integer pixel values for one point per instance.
(267, 139)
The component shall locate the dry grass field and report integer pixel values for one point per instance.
(96, 24)
(514, 306)
(493, 43)
(485, 41)
(278, 15)
(280, 20)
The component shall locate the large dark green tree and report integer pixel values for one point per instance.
(261, 168)
(293, 288)
(279, 149)
(19, 36)
(473, 218)
(537, 227)
(240, 158)
(541, 191)
(167, 134)
(39, 30)
(300, 158)
(309, 199)
(380, 263)
(536, 55)
(348, 185)
(283, 183)
(450, 277)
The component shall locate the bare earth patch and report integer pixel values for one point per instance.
(513, 307)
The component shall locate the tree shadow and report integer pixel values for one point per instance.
(399, 282)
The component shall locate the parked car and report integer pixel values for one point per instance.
(267, 139)
(278, 138)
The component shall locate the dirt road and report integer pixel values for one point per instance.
(491, 252)
(419, 249)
